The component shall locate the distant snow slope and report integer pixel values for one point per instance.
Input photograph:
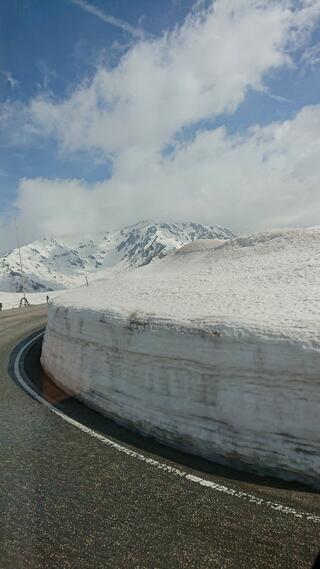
(50, 264)
(214, 349)
(12, 299)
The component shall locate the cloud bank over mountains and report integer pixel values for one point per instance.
(157, 118)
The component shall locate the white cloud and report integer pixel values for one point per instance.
(311, 56)
(265, 177)
(10, 79)
(107, 18)
(196, 72)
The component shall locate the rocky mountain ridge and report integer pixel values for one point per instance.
(51, 264)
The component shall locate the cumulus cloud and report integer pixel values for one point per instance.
(264, 178)
(134, 112)
(199, 71)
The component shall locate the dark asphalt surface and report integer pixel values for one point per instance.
(69, 501)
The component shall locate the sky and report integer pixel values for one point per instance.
(113, 111)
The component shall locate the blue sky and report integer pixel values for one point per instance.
(57, 56)
(52, 46)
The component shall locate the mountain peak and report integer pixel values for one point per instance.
(49, 264)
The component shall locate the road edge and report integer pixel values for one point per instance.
(18, 374)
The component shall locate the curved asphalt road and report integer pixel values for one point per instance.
(70, 501)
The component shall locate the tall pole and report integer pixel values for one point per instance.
(20, 259)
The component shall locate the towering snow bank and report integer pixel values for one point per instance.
(214, 349)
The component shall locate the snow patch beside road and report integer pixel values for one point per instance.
(215, 349)
(12, 299)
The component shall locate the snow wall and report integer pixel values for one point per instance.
(225, 395)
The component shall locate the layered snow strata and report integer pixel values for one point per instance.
(215, 349)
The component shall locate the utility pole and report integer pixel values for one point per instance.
(23, 302)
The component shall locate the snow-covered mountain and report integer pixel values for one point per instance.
(51, 265)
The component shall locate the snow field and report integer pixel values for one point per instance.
(11, 300)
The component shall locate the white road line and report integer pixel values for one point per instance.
(155, 463)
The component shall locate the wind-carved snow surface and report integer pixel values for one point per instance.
(214, 349)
